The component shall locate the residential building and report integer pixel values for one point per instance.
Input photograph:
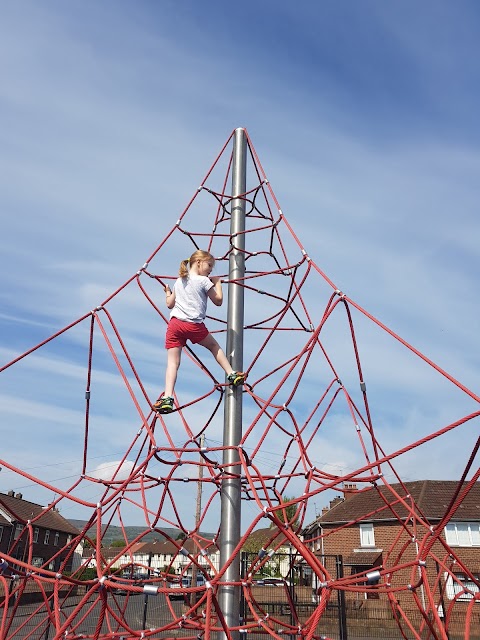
(178, 557)
(37, 535)
(392, 525)
(182, 557)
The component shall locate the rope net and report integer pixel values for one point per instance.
(311, 432)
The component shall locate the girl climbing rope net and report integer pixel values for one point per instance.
(188, 301)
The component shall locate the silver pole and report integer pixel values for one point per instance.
(229, 596)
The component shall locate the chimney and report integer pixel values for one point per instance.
(335, 501)
(11, 493)
(19, 496)
(349, 489)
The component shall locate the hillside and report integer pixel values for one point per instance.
(115, 533)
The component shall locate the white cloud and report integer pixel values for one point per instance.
(116, 471)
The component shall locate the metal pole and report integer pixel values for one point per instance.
(229, 595)
(198, 513)
(342, 611)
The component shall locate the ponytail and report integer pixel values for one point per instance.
(183, 270)
(197, 255)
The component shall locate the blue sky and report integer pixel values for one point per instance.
(364, 116)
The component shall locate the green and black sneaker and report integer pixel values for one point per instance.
(236, 378)
(164, 404)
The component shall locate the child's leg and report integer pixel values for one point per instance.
(173, 362)
(212, 345)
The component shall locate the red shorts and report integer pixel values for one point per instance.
(179, 331)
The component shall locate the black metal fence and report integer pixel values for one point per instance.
(282, 602)
(296, 594)
(149, 612)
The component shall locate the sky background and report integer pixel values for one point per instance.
(365, 118)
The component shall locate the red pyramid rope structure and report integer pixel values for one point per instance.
(305, 395)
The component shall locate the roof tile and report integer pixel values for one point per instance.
(23, 510)
(429, 498)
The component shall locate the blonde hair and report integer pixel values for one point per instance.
(197, 255)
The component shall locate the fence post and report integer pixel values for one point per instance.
(342, 610)
(145, 597)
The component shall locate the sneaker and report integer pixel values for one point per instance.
(236, 378)
(164, 405)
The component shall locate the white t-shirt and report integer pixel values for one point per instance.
(191, 295)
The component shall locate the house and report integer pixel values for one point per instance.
(179, 557)
(393, 525)
(37, 535)
(184, 557)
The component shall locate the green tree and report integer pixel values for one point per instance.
(168, 569)
(118, 543)
(287, 513)
(87, 573)
(90, 543)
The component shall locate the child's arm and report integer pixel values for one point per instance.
(216, 294)
(169, 297)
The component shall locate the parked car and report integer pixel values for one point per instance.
(178, 586)
(120, 588)
(271, 582)
(134, 573)
(187, 581)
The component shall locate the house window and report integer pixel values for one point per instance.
(36, 531)
(47, 536)
(463, 534)
(462, 586)
(37, 562)
(69, 538)
(56, 539)
(18, 531)
(367, 538)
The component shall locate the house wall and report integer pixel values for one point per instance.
(7, 533)
(399, 547)
(52, 555)
(158, 561)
